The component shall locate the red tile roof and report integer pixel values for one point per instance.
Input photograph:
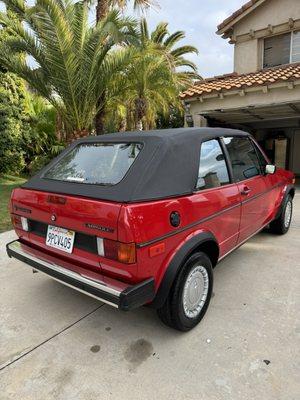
(237, 13)
(234, 81)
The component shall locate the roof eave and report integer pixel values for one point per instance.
(247, 89)
(224, 29)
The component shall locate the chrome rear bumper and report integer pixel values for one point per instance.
(116, 293)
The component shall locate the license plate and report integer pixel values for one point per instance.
(60, 238)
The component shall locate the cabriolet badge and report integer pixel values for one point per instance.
(100, 228)
(25, 210)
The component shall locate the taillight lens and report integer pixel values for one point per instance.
(20, 222)
(122, 252)
(56, 199)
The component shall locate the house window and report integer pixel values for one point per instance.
(282, 49)
(295, 47)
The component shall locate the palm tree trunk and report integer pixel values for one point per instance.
(78, 134)
(102, 9)
(100, 116)
(139, 125)
(140, 112)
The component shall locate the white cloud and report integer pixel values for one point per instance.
(199, 19)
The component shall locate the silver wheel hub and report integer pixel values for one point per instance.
(288, 214)
(195, 291)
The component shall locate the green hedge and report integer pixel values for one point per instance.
(13, 123)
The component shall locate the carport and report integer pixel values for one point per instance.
(275, 126)
(265, 103)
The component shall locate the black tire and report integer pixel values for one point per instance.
(172, 313)
(280, 226)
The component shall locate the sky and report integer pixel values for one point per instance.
(199, 20)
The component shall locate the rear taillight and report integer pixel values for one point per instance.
(56, 199)
(20, 222)
(122, 252)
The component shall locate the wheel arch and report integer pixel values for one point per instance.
(204, 241)
(290, 190)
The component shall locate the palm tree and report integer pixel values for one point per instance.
(104, 6)
(102, 9)
(161, 41)
(73, 62)
(151, 83)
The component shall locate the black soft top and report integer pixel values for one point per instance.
(167, 166)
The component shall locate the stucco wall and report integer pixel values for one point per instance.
(273, 12)
(246, 57)
(248, 54)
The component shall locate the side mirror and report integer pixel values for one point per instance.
(270, 169)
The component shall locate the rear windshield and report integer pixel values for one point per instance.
(95, 163)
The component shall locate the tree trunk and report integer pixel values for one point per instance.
(139, 125)
(100, 116)
(59, 127)
(140, 112)
(102, 10)
(123, 125)
(72, 136)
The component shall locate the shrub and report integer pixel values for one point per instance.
(40, 143)
(13, 123)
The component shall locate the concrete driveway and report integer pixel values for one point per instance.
(58, 344)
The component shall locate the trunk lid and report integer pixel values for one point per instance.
(83, 215)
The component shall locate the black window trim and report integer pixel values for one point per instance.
(249, 138)
(258, 150)
(227, 159)
(227, 162)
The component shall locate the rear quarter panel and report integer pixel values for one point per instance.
(148, 224)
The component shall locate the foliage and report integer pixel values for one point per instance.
(7, 184)
(116, 67)
(104, 6)
(13, 117)
(41, 143)
(151, 83)
(173, 119)
(74, 61)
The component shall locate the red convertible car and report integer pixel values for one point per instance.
(142, 218)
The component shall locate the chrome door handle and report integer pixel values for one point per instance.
(245, 191)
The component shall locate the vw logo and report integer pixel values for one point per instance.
(53, 217)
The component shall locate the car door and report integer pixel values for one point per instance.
(216, 200)
(247, 174)
(273, 187)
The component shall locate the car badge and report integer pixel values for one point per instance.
(53, 217)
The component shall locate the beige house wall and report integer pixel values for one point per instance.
(273, 12)
(246, 57)
(271, 18)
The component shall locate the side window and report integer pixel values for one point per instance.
(244, 160)
(212, 168)
(262, 161)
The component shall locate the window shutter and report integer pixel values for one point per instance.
(277, 50)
